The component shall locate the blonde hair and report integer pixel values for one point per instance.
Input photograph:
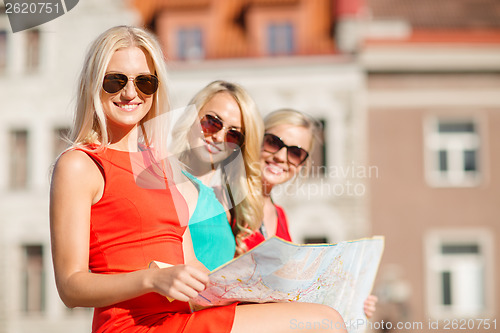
(296, 118)
(248, 213)
(89, 125)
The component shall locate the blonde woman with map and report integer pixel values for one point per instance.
(289, 137)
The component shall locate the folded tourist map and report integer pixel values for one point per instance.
(340, 275)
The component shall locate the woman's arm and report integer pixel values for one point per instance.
(77, 184)
(189, 255)
(190, 193)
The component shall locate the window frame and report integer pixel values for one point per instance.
(275, 30)
(319, 155)
(33, 44)
(434, 141)
(184, 44)
(4, 56)
(28, 279)
(17, 162)
(437, 263)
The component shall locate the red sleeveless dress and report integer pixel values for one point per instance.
(130, 226)
(282, 232)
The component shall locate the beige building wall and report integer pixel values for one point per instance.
(409, 209)
(433, 101)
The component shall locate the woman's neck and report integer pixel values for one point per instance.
(124, 139)
(268, 200)
(266, 190)
(200, 169)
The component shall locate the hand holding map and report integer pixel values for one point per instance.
(340, 275)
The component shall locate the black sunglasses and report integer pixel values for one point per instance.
(114, 82)
(295, 154)
(211, 124)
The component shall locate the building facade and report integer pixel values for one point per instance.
(207, 29)
(433, 77)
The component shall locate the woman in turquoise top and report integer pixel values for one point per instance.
(218, 140)
(209, 228)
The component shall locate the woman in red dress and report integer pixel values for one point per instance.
(108, 211)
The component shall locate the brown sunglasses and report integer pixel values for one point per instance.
(114, 82)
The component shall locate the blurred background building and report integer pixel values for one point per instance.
(433, 89)
(408, 92)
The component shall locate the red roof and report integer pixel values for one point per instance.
(349, 7)
(439, 14)
(148, 8)
(440, 21)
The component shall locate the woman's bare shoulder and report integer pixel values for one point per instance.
(75, 167)
(74, 161)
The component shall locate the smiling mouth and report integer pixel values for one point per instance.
(275, 169)
(212, 148)
(127, 107)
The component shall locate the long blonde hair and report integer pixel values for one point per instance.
(248, 213)
(89, 126)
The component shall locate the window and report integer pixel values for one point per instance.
(32, 50)
(3, 38)
(190, 44)
(280, 39)
(33, 279)
(318, 155)
(18, 171)
(315, 240)
(453, 153)
(3, 50)
(458, 273)
(59, 143)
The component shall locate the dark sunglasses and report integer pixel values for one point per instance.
(114, 82)
(211, 124)
(273, 144)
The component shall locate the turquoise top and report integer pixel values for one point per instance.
(213, 240)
